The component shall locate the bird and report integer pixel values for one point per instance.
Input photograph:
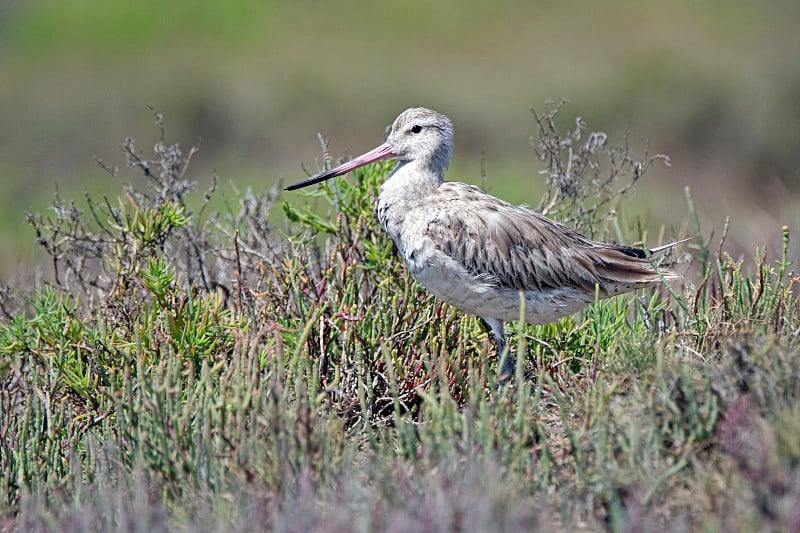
(481, 254)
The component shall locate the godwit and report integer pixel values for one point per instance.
(479, 253)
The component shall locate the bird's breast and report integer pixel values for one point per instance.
(392, 219)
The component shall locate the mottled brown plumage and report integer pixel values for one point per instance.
(523, 250)
(480, 253)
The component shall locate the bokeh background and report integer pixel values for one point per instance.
(715, 84)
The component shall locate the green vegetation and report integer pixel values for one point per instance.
(194, 368)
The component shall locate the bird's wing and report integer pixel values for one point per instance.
(518, 248)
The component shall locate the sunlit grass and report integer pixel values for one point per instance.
(194, 367)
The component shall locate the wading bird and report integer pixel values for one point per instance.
(481, 254)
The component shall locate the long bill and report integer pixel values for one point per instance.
(383, 151)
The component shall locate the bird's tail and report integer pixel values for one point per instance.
(624, 268)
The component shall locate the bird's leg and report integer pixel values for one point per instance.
(505, 360)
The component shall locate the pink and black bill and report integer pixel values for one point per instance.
(383, 151)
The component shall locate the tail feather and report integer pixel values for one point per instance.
(620, 267)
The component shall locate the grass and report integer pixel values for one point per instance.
(201, 369)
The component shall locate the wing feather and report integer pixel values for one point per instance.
(518, 248)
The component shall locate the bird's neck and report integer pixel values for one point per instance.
(404, 190)
(413, 178)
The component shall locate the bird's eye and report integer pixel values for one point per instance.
(416, 128)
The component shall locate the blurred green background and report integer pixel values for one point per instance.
(716, 85)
